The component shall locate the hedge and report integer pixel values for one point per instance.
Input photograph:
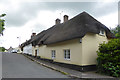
(108, 60)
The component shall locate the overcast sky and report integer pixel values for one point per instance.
(25, 17)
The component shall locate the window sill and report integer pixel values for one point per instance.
(67, 59)
(52, 58)
(102, 35)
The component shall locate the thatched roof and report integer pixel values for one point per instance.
(25, 43)
(77, 27)
(37, 38)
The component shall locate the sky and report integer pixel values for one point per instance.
(25, 17)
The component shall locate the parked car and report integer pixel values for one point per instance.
(14, 51)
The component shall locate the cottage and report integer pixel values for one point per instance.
(72, 43)
(27, 47)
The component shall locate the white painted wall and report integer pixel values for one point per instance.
(28, 49)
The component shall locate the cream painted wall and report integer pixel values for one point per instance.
(90, 43)
(75, 51)
(33, 50)
(42, 51)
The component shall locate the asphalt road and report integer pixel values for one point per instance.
(18, 66)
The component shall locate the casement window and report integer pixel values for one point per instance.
(67, 54)
(101, 32)
(53, 53)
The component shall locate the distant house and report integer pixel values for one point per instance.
(26, 47)
(72, 43)
(17, 49)
(10, 50)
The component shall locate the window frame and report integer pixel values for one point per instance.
(102, 32)
(66, 54)
(53, 54)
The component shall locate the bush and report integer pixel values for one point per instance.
(109, 58)
(2, 49)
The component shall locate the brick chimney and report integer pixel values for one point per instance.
(65, 17)
(33, 34)
(57, 21)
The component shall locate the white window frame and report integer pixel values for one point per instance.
(37, 52)
(67, 54)
(102, 32)
(53, 54)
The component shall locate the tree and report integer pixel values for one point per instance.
(116, 31)
(109, 58)
(2, 49)
(2, 24)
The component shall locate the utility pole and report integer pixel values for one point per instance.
(61, 15)
(19, 40)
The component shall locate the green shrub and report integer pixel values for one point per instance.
(108, 61)
(2, 49)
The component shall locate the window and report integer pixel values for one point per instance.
(80, 40)
(37, 51)
(101, 32)
(53, 54)
(67, 54)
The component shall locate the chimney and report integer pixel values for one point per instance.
(57, 21)
(65, 18)
(33, 34)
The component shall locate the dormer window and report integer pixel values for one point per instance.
(101, 32)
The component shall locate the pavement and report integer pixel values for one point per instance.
(71, 73)
(18, 66)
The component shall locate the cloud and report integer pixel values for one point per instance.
(19, 13)
(21, 16)
(104, 8)
(111, 20)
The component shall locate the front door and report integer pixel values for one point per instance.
(36, 53)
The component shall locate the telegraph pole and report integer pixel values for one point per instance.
(19, 40)
(61, 15)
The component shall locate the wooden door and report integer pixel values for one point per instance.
(35, 53)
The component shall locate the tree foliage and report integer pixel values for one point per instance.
(109, 58)
(2, 49)
(2, 24)
(116, 31)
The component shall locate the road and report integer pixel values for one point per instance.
(18, 66)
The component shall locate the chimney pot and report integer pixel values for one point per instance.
(65, 18)
(57, 21)
(33, 34)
